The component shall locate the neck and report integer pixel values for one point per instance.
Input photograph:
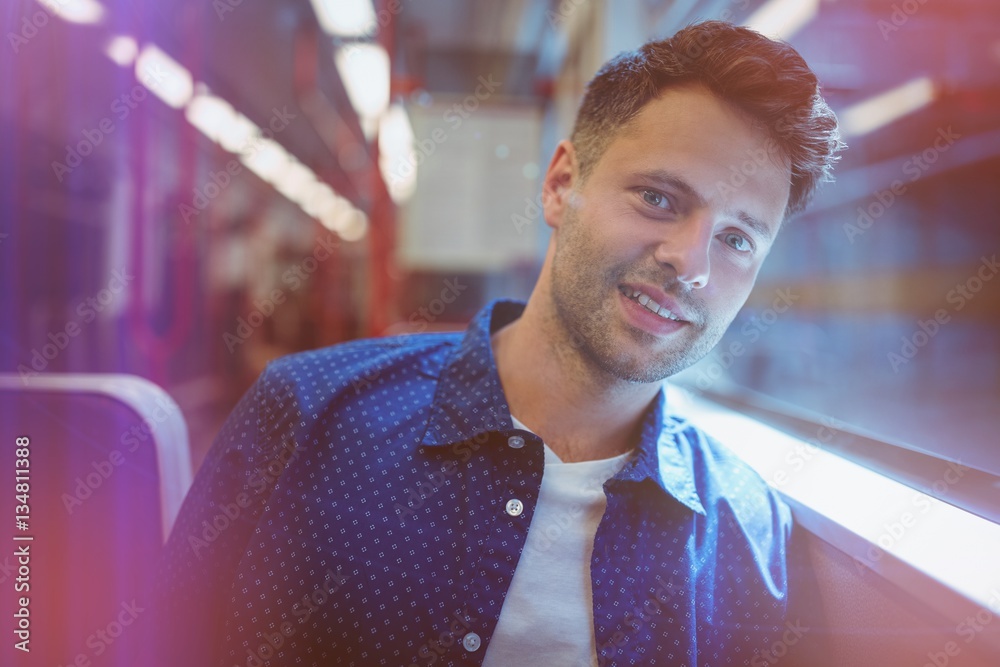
(578, 409)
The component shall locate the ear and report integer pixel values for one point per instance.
(560, 178)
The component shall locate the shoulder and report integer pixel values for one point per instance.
(747, 526)
(297, 391)
(729, 488)
(362, 362)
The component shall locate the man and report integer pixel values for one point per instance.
(519, 493)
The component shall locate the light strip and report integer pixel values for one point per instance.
(216, 118)
(397, 156)
(85, 12)
(122, 49)
(345, 18)
(780, 19)
(210, 114)
(864, 513)
(364, 69)
(884, 108)
(164, 77)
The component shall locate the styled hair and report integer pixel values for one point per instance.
(765, 79)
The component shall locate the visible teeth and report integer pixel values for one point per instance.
(649, 304)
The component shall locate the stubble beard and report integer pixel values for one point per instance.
(583, 293)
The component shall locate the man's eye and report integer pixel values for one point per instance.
(738, 242)
(654, 198)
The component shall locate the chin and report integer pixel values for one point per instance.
(636, 367)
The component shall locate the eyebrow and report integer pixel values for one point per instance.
(685, 188)
(755, 224)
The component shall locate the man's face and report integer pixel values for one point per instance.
(683, 208)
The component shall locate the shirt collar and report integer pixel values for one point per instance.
(469, 400)
(665, 455)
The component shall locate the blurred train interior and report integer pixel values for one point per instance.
(189, 190)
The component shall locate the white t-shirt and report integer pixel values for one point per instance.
(547, 617)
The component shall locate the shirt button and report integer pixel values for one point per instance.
(471, 642)
(515, 441)
(514, 507)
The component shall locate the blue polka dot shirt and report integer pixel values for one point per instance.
(367, 504)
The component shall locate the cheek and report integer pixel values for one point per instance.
(622, 239)
(729, 287)
(593, 237)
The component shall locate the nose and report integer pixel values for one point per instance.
(685, 247)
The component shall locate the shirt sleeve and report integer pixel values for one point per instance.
(216, 521)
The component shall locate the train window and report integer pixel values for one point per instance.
(879, 306)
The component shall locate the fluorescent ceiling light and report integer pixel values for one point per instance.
(75, 11)
(295, 181)
(267, 160)
(122, 49)
(240, 135)
(364, 69)
(354, 227)
(884, 108)
(220, 122)
(164, 77)
(397, 157)
(780, 19)
(210, 114)
(335, 213)
(345, 18)
(319, 200)
(224, 125)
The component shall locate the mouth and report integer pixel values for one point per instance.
(648, 303)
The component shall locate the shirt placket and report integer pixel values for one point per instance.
(517, 459)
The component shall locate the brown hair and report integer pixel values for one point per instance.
(766, 79)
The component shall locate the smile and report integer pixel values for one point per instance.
(646, 302)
